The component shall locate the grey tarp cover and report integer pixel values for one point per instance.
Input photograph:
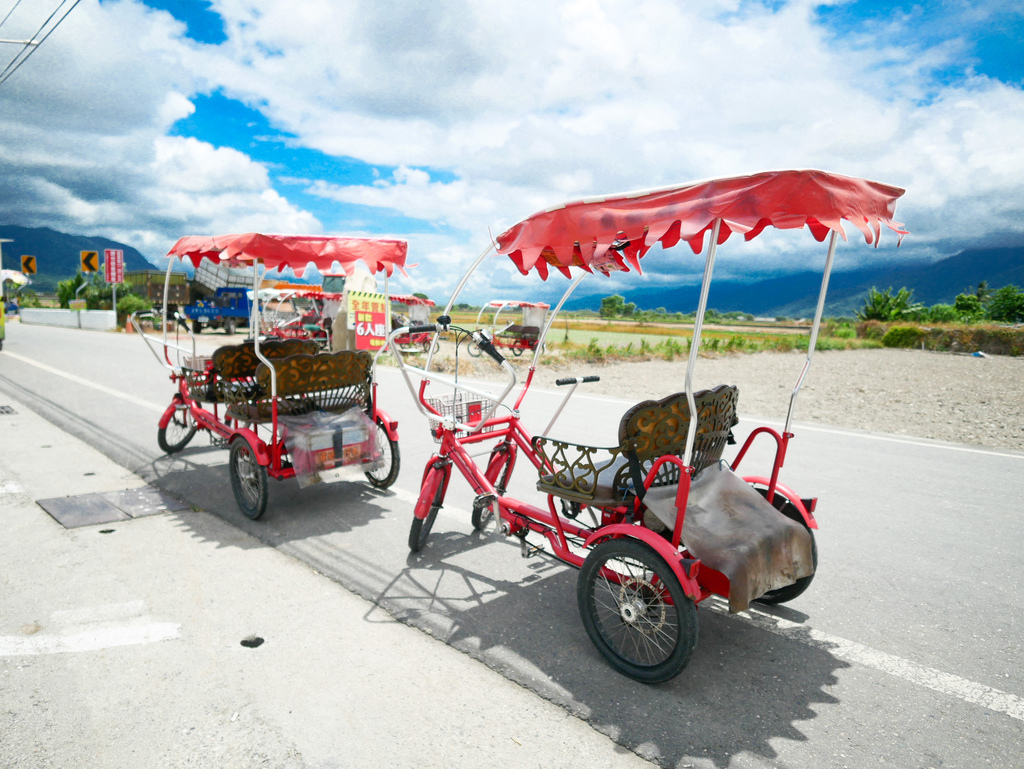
(731, 528)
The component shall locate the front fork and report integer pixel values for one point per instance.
(436, 475)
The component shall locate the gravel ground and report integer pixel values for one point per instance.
(945, 396)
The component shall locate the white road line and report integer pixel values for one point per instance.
(760, 421)
(930, 678)
(93, 629)
(94, 385)
(90, 640)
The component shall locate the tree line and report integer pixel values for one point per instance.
(1003, 305)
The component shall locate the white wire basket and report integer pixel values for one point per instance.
(467, 409)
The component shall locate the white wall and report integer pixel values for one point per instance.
(98, 320)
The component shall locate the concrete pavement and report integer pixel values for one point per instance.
(121, 646)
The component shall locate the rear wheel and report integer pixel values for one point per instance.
(179, 431)
(248, 480)
(635, 611)
(229, 326)
(499, 468)
(391, 460)
(789, 592)
(197, 327)
(473, 349)
(517, 351)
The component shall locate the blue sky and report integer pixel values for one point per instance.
(442, 122)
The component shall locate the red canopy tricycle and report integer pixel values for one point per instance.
(656, 520)
(283, 407)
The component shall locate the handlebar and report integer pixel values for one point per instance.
(576, 380)
(483, 341)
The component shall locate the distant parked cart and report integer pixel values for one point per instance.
(515, 336)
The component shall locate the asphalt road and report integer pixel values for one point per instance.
(905, 651)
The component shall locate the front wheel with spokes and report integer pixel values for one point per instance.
(248, 480)
(635, 611)
(179, 430)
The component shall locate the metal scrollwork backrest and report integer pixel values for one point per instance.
(326, 382)
(238, 361)
(654, 429)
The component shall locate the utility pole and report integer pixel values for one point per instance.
(2, 241)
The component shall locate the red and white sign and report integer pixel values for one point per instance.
(114, 265)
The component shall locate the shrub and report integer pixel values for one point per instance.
(126, 305)
(903, 336)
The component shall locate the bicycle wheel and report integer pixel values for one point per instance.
(178, 433)
(635, 611)
(248, 480)
(789, 592)
(420, 529)
(391, 460)
(499, 469)
(473, 349)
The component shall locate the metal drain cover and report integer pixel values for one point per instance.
(83, 510)
(110, 506)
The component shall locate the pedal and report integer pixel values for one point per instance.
(528, 550)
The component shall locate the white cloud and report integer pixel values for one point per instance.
(521, 105)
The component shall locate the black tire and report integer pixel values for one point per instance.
(473, 349)
(517, 351)
(248, 480)
(197, 327)
(420, 529)
(178, 433)
(789, 592)
(387, 474)
(229, 327)
(629, 620)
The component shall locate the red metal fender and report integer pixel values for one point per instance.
(788, 493)
(259, 447)
(433, 478)
(176, 401)
(660, 545)
(390, 425)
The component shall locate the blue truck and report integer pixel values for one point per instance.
(228, 309)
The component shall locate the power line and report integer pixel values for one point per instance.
(13, 8)
(32, 44)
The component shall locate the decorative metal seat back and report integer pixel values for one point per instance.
(326, 382)
(605, 477)
(234, 366)
(655, 429)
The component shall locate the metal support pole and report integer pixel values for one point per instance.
(814, 328)
(698, 324)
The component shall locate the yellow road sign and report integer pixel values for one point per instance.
(28, 265)
(90, 261)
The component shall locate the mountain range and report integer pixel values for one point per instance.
(794, 295)
(58, 255)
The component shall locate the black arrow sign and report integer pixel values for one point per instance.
(90, 261)
(28, 265)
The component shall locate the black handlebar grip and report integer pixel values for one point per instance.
(574, 380)
(423, 329)
(591, 379)
(488, 347)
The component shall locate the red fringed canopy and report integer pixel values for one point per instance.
(295, 251)
(580, 234)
